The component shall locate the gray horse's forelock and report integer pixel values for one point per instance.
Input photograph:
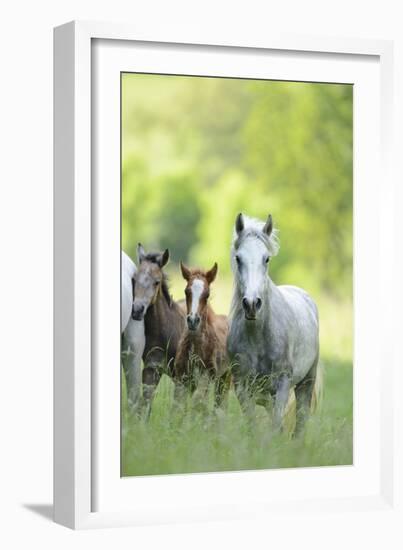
(254, 228)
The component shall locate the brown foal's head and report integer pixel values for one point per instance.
(197, 292)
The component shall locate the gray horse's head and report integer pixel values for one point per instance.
(254, 243)
(149, 281)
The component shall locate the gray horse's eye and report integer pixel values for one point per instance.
(238, 259)
(266, 261)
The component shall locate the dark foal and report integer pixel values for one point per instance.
(164, 321)
(202, 346)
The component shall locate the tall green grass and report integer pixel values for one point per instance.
(204, 441)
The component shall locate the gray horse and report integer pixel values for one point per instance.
(273, 341)
(133, 338)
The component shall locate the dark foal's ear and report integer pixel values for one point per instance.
(185, 272)
(141, 253)
(239, 224)
(211, 275)
(164, 258)
(268, 226)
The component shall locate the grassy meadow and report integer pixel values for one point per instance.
(195, 152)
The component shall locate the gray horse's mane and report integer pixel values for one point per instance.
(254, 228)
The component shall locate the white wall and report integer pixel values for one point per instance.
(26, 267)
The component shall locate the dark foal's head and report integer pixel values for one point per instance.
(197, 292)
(149, 280)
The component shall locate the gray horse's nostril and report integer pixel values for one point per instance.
(251, 307)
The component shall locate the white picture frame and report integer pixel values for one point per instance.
(88, 490)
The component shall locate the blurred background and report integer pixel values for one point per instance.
(196, 151)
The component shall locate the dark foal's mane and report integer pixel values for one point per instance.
(154, 257)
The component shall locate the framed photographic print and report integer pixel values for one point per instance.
(221, 328)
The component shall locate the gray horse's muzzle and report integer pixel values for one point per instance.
(251, 307)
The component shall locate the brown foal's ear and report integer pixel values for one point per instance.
(185, 272)
(164, 258)
(268, 226)
(239, 223)
(211, 275)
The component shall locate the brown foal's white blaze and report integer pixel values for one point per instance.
(197, 289)
(197, 292)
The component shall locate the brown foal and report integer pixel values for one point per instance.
(202, 346)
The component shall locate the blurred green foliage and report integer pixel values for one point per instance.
(196, 151)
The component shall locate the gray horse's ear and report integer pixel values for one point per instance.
(185, 272)
(268, 226)
(164, 258)
(211, 275)
(239, 223)
(141, 253)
